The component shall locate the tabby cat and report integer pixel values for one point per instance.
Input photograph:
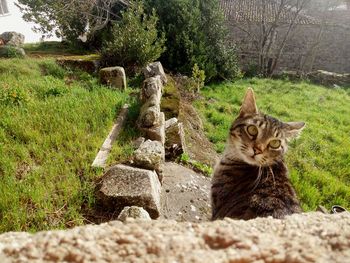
(251, 179)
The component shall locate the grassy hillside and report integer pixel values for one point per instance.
(52, 123)
(319, 161)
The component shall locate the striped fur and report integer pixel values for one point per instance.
(251, 179)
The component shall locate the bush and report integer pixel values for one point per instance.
(195, 34)
(196, 82)
(135, 40)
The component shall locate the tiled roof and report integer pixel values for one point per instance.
(252, 11)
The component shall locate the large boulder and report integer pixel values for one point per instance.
(133, 212)
(12, 38)
(114, 77)
(153, 69)
(124, 186)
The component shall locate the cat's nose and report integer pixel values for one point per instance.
(257, 150)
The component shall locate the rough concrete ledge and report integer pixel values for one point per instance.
(312, 237)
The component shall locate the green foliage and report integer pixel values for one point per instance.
(195, 34)
(195, 165)
(10, 52)
(319, 160)
(198, 77)
(134, 40)
(50, 132)
(13, 95)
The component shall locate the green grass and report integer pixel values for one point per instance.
(319, 161)
(52, 48)
(52, 124)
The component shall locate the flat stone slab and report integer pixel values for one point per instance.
(153, 69)
(106, 147)
(124, 186)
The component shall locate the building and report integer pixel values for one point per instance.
(315, 41)
(11, 20)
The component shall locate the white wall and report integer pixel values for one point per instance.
(14, 22)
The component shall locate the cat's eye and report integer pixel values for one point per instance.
(275, 144)
(252, 130)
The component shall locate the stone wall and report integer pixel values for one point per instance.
(333, 52)
(312, 237)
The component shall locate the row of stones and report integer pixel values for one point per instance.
(139, 185)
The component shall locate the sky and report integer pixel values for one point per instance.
(14, 22)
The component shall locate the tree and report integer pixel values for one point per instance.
(195, 34)
(272, 32)
(134, 39)
(70, 18)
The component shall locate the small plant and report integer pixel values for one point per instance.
(197, 166)
(198, 77)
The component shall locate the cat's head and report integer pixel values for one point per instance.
(258, 139)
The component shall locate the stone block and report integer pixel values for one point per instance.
(157, 131)
(154, 69)
(174, 139)
(124, 186)
(133, 212)
(151, 86)
(8, 51)
(150, 155)
(113, 77)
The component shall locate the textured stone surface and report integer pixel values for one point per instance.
(12, 38)
(151, 86)
(114, 77)
(185, 194)
(154, 69)
(174, 139)
(124, 186)
(133, 212)
(157, 131)
(149, 112)
(313, 237)
(150, 155)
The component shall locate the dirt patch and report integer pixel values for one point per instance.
(198, 146)
(185, 194)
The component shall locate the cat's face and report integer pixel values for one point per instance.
(258, 139)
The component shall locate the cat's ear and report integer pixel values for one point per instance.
(293, 129)
(248, 106)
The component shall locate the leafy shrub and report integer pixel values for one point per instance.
(135, 40)
(198, 77)
(13, 95)
(11, 52)
(195, 34)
